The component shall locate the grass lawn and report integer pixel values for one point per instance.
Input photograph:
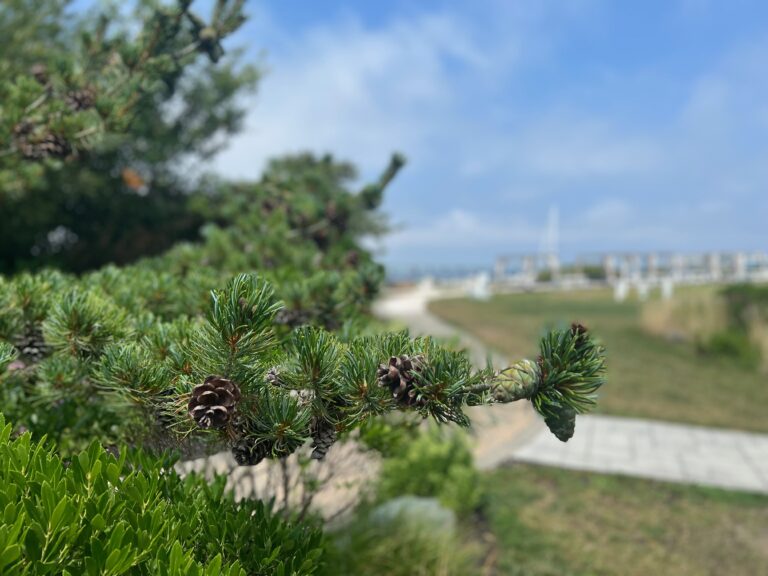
(549, 522)
(648, 376)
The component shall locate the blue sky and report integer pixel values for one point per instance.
(644, 123)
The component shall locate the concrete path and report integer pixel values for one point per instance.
(642, 448)
(658, 450)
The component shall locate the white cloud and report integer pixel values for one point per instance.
(582, 147)
(463, 229)
(360, 93)
(610, 211)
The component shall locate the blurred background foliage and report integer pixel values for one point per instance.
(132, 122)
(729, 322)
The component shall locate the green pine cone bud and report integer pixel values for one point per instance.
(519, 381)
(562, 423)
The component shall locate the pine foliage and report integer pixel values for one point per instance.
(65, 104)
(140, 373)
(101, 115)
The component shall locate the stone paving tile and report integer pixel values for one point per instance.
(657, 450)
(761, 468)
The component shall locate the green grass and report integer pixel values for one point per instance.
(549, 522)
(648, 376)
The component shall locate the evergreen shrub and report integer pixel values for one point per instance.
(435, 463)
(104, 513)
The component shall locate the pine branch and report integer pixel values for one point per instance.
(372, 194)
(320, 379)
(562, 382)
(227, 378)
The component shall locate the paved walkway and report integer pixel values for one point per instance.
(642, 448)
(659, 450)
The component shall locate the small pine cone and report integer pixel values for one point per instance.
(292, 318)
(213, 402)
(82, 99)
(249, 452)
(22, 128)
(30, 150)
(562, 423)
(273, 376)
(32, 346)
(398, 375)
(519, 381)
(55, 146)
(50, 146)
(580, 331)
(323, 437)
(40, 73)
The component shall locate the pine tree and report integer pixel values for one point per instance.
(97, 114)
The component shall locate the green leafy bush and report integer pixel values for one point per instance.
(594, 272)
(397, 546)
(734, 344)
(745, 304)
(436, 463)
(99, 514)
(746, 317)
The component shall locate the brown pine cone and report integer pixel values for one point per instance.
(398, 375)
(32, 345)
(40, 73)
(82, 99)
(323, 437)
(213, 402)
(49, 146)
(580, 331)
(22, 128)
(248, 452)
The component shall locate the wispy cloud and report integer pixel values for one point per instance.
(356, 91)
(458, 236)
